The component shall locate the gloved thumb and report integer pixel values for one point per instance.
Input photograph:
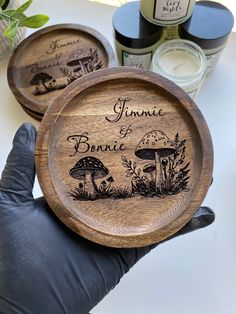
(17, 179)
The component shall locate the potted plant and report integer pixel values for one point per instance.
(13, 23)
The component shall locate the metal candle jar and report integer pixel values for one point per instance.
(183, 62)
(135, 38)
(209, 27)
(167, 12)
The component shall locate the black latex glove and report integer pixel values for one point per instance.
(44, 267)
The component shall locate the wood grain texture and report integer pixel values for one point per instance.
(52, 58)
(124, 157)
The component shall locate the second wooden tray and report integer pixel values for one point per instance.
(124, 157)
(51, 59)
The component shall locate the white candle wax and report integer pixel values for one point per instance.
(183, 62)
(179, 63)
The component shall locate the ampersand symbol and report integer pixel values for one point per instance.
(125, 130)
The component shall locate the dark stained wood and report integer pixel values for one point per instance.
(37, 116)
(50, 59)
(124, 157)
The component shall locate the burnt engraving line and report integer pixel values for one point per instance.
(166, 172)
(73, 69)
(88, 170)
(122, 110)
(125, 131)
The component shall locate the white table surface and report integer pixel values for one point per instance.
(194, 274)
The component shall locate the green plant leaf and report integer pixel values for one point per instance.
(8, 14)
(10, 31)
(23, 7)
(5, 16)
(2, 2)
(18, 16)
(35, 21)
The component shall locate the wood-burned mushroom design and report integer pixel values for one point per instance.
(154, 146)
(45, 83)
(170, 173)
(86, 64)
(150, 168)
(167, 174)
(88, 169)
(39, 80)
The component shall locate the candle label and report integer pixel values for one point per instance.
(212, 60)
(141, 61)
(167, 10)
(170, 33)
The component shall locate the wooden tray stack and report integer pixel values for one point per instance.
(123, 156)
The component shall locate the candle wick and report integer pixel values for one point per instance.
(179, 65)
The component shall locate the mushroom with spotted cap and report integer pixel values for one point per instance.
(88, 169)
(153, 146)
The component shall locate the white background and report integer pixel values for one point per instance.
(194, 274)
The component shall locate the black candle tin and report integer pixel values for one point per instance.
(136, 39)
(209, 27)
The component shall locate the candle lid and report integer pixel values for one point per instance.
(50, 59)
(124, 157)
(132, 29)
(209, 25)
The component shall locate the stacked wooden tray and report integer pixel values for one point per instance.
(124, 157)
(51, 59)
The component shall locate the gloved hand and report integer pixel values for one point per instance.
(45, 268)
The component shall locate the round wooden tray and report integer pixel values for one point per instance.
(51, 59)
(124, 157)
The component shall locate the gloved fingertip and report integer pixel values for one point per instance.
(25, 135)
(19, 173)
(203, 217)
